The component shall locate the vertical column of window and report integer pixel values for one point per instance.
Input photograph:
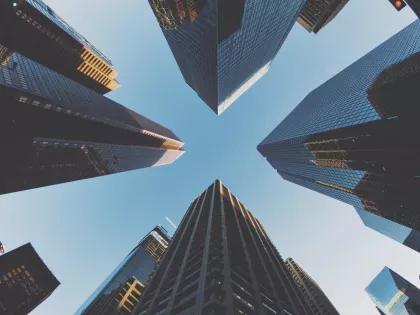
(192, 274)
(256, 265)
(276, 260)
(243, 280)
(217, 262)
(158, 286)
(272, 292)
(6, 74)
(227, 278)
(41, 73)
(19, 71)
(31, 78)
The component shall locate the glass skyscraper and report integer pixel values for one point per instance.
(393, 295)
(120, 292)
(223, 47)
(25, 281)
(221, 261)
(57, 130)
(354, 138)
(311, 291)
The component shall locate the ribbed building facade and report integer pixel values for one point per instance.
(354, 138)
(223, 47)
(57, 130)
(394, 295)
(33, 29)
(318, 13)
(310, 290)
(25, 281)
(121, 291)
(220, 261)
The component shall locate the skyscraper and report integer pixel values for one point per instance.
(223, 47)
(57, 130)
(121, 291)
(25, 281)
(220, 261)
(33, 29)
(393, 295)
(318, 13)
(354, 138)
(312, 293)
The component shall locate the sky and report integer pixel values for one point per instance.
(82, 230)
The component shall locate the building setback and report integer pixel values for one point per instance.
(25, 281)
(57, 130)
(220, 261)
(33, 29)
(223, 47)
(354, 138)
(318, 13)
(393, 295)
(312, 293)
(121, 291)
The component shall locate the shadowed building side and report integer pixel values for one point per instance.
(33, 29)
(311, 292)
(57, 130)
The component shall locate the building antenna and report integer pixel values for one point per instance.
(169, 220)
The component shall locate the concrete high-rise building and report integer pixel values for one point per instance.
(354, 138)
(25, 281)
(311, 292)
(221, 261)
(33, 29)
(121, 291)
(393, 295)
(223, 47)
(318, 13)
(57, 130)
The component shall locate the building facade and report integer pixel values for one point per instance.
(223, 47)
(41, 35)
(121, 291)
(318, 13)
(393, 295)
(25, 281)
(57, 130)
(354, 137)
(220, 261)
(311, 292)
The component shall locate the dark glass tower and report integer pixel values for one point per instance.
(393, 295)
(33, 29)
(354, 138)
(223, 47)
(312, 293)
(121, 291)
(220, 261)
(318, 13)
(57, 130)
(25, 281)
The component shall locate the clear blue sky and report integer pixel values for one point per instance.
(82, 230)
